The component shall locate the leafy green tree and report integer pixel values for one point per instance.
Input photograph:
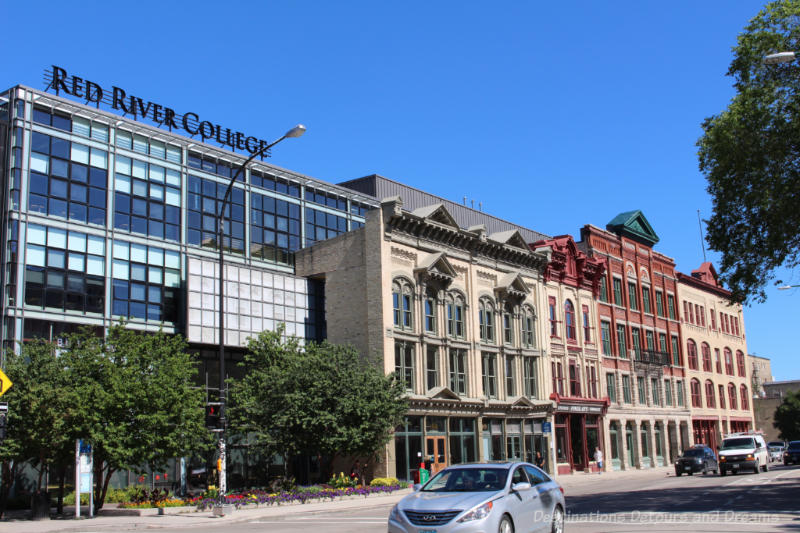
(749, 155)
(143, 406)
(318, 398)
(787, 417)
(42, 411)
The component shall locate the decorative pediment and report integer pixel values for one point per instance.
(510, 238)
(437, 268)
(442, 393)
(512, 285)
(436, 213)
(520, 401)
(479, 230)
(634, 225)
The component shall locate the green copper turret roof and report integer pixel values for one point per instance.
(634, 225)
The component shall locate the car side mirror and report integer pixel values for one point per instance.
(520, 487)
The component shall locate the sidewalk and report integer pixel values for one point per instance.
(185, 517)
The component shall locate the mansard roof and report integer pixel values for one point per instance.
(634, 225)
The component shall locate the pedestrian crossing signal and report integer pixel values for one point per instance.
(213, 415)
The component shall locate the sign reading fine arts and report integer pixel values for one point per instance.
(119, 99)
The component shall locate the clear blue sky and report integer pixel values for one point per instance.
(551, 114)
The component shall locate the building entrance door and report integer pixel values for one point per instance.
(577, 442)
(436, 453)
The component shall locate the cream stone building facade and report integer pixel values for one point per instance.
(719, 380)
(457, 314)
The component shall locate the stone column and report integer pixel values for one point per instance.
(623, 448)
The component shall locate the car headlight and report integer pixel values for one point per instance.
(394, 514)
(722, 458)
(750, 456)
(481, 511)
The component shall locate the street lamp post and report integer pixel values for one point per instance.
(780, 57)
(787, 287)
(297, 131)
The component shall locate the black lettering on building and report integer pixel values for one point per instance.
(77, 86)
(186, 122)
(118, 99)
(169, 118)
(206, 130)
(59, 77)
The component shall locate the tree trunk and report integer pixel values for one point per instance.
(9, 475)
(62, 475)
(101, 479)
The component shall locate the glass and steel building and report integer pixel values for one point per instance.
(108, 218)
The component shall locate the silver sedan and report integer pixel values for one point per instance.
(483, 498)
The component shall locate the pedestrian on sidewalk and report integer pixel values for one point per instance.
(539, 460)
(598, 458)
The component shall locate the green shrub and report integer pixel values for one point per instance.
(385, 482)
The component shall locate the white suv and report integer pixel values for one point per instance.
(743, 451)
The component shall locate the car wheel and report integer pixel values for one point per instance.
(505, 525)
(691, 473)
(705, 469)
(766, 467)
(558, 520)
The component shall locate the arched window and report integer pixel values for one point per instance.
(486, 320)
(528, 327)
(744, 398)
(454, 304)
(710, 394)
(569, 319)
(696, 394)
(728, 361)
(706, 352)
(691, 350)
(403, 303)
(732, 395)
(740, 363)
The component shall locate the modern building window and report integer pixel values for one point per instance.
(551, 306)
(740, 363)
(705, 351)
(486, 315)
(728, 361)
(432, 367)
(603, 292)
(637, 343)
(130, 141)
(430, 313)
(695, 391)
(671, 306)
(455, 316)
(732, 395)
(605, 337)
(611, 388)
(668, 393)
(574, 379)
(646, 300)
(402, 304)
(745, 398)
(622, 344)
(633, 299)
(275, 228)
(64, 270)
(204, 200)
(640, 385)
(147, 282)
(710, 403)
(321, 226)
(147, 199)
(680, 394)
(458, 371)
(511, 389)
(691, 354)
(67, 180)
(44, 116)
(654, 391)
(659, 303)
(569, 315)
(617, 291)
(587, 328)
(404, 363)
(626, 389)
(530, 377)
(528, 324)
(676, 351)
(207, 163)
(327, 199)
(721, 397)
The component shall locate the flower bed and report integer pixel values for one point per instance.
(300, 495)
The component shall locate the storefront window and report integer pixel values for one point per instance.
(493, 448)
(462, 440)
(408, 447)
(561, 439)
(514, 440)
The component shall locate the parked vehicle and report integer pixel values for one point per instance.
(792, 453)
(698, 458)
(776, 443)
(486, 497)
(743, 451)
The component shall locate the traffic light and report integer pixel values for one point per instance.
(213, 412)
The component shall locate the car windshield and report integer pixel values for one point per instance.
(694, 452)
(776, 444)
(732, 444)
(775, 448)
(467, 480)
(795, 446)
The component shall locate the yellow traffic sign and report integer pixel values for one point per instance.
(5, 383)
